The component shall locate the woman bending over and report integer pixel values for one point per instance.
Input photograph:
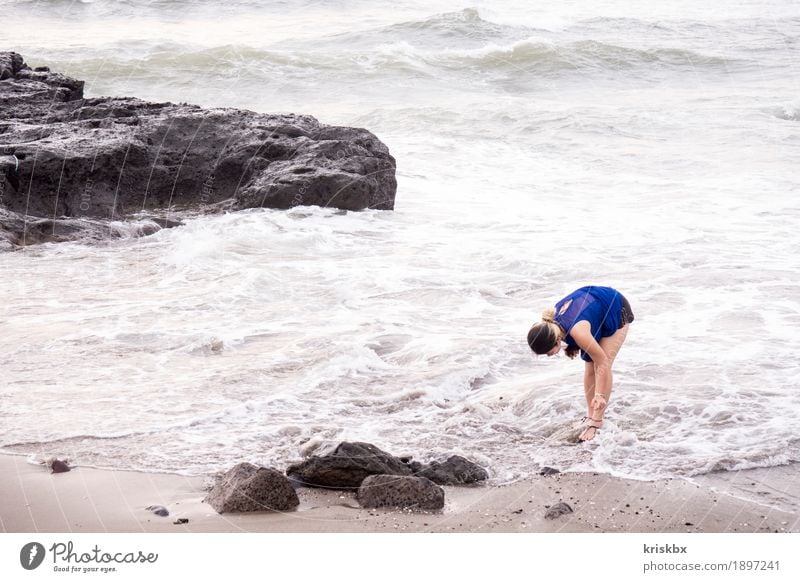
(595, 321)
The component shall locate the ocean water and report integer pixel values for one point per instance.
(645, 146)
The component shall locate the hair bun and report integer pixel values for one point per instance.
(549, 315)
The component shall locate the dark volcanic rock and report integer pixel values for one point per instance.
(398, 491)
(350, 463)
(58, 466)
(454, 471)
(10, 64)
(347, 466)
(557, 510)
(16, 231)
(159, 510)
(247, 487)
(63, 155)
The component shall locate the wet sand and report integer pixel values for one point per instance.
(100, 500)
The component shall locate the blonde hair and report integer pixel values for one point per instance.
(544, 335)
(549, 317)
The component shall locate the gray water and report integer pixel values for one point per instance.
(650, 148)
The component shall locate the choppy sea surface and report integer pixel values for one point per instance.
(646, 147)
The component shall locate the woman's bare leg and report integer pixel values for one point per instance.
(611, 346)
(588, 386)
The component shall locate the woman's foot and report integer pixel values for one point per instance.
(581, 422)
(592, 426)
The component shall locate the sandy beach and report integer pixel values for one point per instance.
(95, 500)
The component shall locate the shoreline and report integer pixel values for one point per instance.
(105, 500)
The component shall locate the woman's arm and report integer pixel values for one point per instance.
(581, 332)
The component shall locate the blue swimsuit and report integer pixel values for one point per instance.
(600, 306)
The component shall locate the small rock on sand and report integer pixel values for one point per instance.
(57, 466)
(557, 510)
(158, 510)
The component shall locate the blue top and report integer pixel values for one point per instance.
(600, 306)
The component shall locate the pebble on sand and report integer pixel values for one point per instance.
(158, 510)
(57, 466)
(557, 510)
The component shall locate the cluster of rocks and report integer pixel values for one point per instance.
(378, 479)
(74, 167)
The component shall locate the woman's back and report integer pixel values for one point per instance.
(600, 306)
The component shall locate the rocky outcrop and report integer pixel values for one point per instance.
(67, 156)
(17, 230)
(247, 487)
(400, 492)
